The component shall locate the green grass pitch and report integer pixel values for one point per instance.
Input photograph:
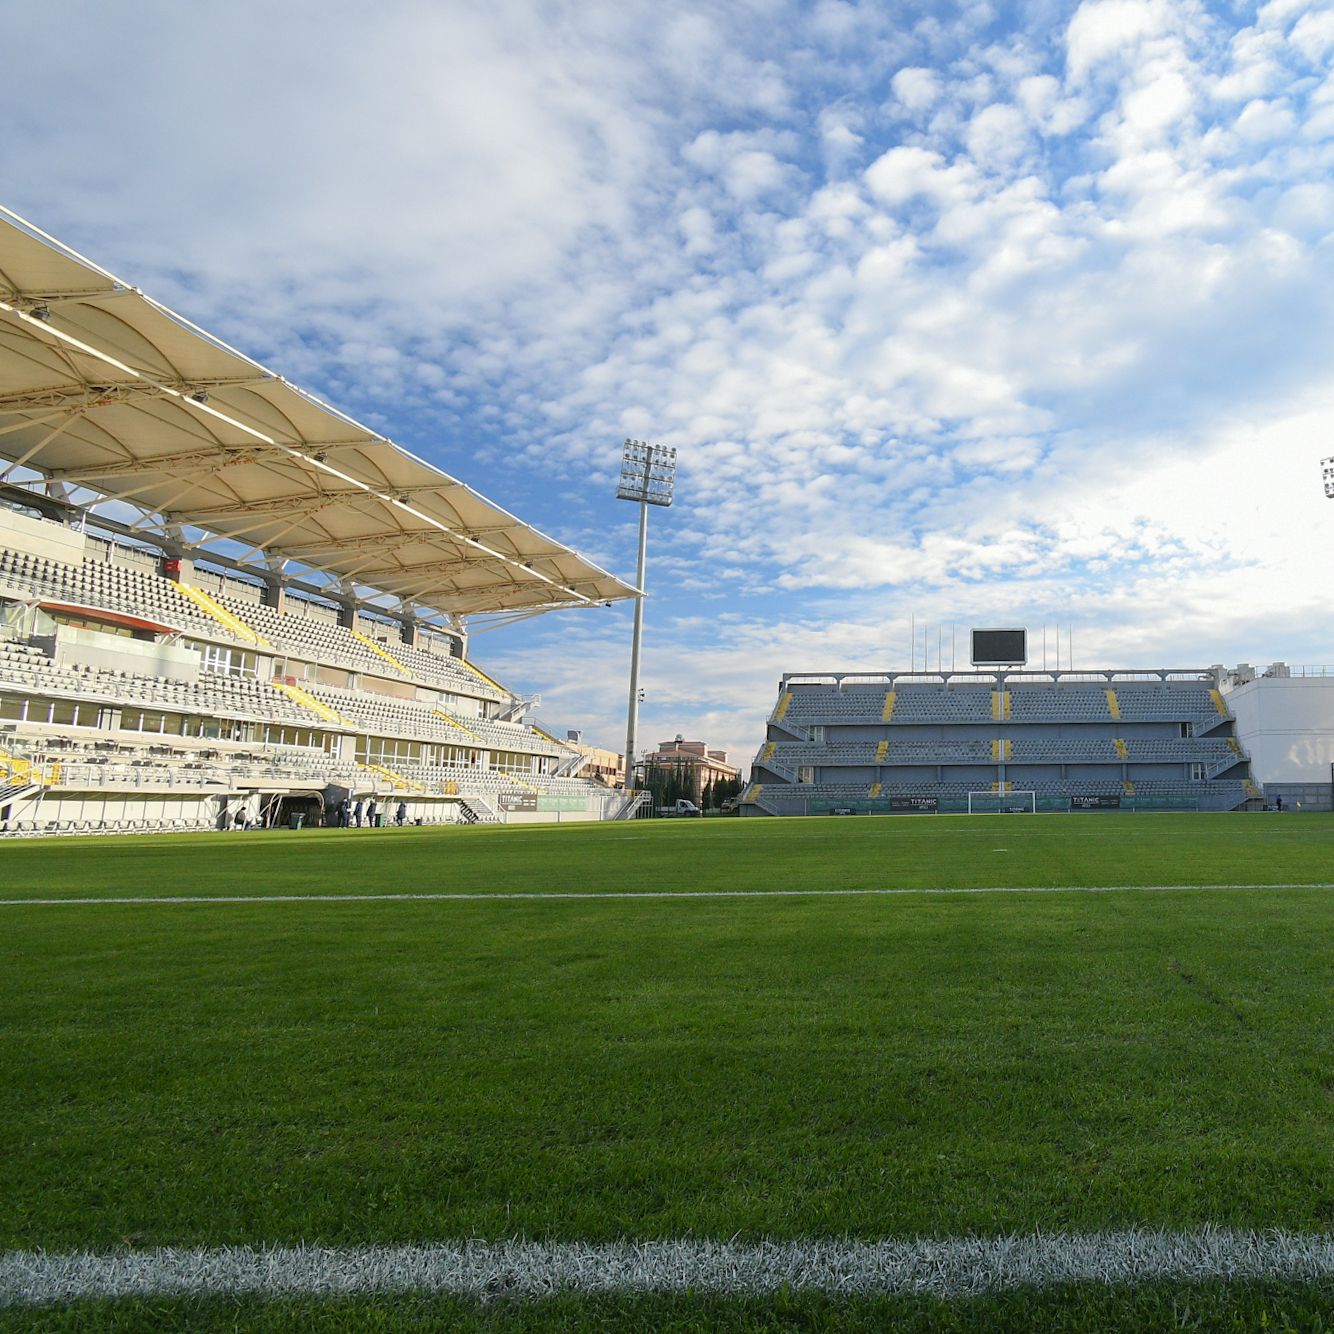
(759, 1065)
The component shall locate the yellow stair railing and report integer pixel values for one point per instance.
(1122, 751)
(887, 713)
(454, 722)
(397, 780)
(213, 608)
(783, 704)
(1129, 785)
(1219, 704)
(478, 672)
(380, 651)
(768, 752)
(881, 751)
(308, 701)
(874, 790)
(15, 769)
(1113, 705)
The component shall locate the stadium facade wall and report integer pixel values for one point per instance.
(53, 541)
(1285, 720)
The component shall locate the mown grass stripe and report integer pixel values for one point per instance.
(955, 1267)
(560, 894)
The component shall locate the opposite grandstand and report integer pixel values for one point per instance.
(224, 603)
(1000, 739)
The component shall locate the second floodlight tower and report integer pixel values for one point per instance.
(648, 477)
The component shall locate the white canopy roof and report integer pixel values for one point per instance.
(103, 388)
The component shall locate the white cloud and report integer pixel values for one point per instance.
(1101, 29)
(1262, 122)
(902, 174)
(916, 88)
(997, 135)
(1313, 34)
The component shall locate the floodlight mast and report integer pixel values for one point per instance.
(648, 477)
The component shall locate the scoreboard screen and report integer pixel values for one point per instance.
(1000, 648)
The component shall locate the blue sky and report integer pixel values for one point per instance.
(983, 315)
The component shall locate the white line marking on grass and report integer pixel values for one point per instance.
(958, 1267)
(561, 894)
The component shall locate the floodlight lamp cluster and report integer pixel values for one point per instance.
(648, 473)
(1327, 469)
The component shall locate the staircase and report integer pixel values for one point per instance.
(571, 765)
(381, 652)
(780, 714)
(396, 780)
(476, 810)
(514, 710)
(308, 701)
(216, 611)
(13, 793)
(635, 806)
(778, 769)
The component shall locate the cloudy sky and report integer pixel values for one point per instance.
(987, 314)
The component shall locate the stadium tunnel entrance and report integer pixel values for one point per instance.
(294, 810)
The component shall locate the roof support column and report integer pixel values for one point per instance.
(459, 630)
(175, 565)
(275, 593)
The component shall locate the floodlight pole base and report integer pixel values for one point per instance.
(632, 720)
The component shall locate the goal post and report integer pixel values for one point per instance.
(1003, 803)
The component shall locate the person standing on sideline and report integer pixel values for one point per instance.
(356, 813)
(1278, 803)
(370, 812)
(402, 813)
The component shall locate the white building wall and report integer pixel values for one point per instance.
(1287, 725)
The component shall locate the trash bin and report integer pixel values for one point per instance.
(296, 821)
(379, 820)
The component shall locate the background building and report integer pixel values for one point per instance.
(694, 768)
(602, 766)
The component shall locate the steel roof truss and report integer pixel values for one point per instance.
(57, 430)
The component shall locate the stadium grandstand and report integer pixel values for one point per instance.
(225, 603)
(1000, 738)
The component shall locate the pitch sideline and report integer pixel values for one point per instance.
(579, 894)
(949, 1268)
